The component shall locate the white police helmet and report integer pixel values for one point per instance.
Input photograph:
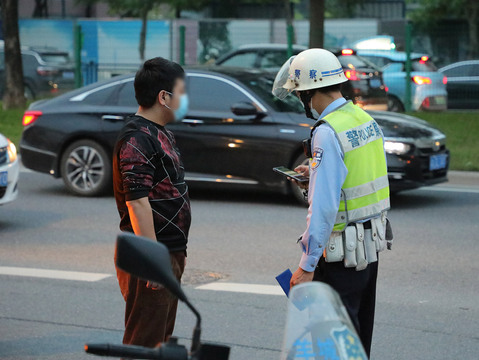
(310, 69)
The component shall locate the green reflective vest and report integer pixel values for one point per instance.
(365, 192)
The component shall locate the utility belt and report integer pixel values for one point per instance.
(359, 244)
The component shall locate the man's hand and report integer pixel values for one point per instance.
(303, 170)
(153, 285)
(300, 276)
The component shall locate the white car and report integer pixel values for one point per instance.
(9, 170)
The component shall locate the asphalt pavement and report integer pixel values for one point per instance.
(58, 288)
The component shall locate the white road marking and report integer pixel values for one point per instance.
(243, 288)
(92, 277)
(451, 189)
(53, 274)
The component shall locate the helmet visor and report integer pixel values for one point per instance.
(281, 86)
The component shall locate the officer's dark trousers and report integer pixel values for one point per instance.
(358, 293)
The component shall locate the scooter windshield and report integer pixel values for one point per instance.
(318, 326)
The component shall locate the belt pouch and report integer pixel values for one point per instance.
(379, 233)
(370, 246)
(335, 248)
(350, 244)
(360, 253)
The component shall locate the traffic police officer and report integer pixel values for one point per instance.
(348, 190)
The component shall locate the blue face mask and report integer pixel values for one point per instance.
(182, 110)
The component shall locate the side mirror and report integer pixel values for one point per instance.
(148, 260)
(244, 108)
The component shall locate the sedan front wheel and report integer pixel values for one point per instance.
(86, 168)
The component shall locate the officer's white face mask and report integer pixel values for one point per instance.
(314, 113)
(313, 110)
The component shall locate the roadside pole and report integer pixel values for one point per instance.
(407, 103)
(182, 30)
(290, 32)
(77, 34)
(288, 7)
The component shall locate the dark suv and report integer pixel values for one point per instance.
(365, 86)
(46, 72)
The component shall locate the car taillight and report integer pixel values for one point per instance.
(426, 103)
(444, 80)
(347, 52)
(351, 75)
(423, 59)
(421, 80)
(30, 116)
(46, 72)
(355, 75)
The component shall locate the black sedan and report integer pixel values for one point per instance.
(234, 133)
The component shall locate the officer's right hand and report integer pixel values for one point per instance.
(303, 170)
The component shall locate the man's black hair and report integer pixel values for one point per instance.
(326, 89)
(155, 75)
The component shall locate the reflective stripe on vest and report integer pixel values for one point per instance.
(364, 212)
(365, 191)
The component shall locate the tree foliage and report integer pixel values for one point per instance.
(431, 12)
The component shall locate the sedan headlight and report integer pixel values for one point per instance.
(398, 148)
(12, 151)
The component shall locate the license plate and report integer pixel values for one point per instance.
(440, 100)
(375, 83)
(437, 162)
(68, 75)
(3, 178)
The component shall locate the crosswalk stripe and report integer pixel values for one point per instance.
(258, 289)
(53, 274)
(243, 288)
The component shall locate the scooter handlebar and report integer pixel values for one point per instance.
(167, 352)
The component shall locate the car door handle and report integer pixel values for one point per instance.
(192, 121)
(113, 118)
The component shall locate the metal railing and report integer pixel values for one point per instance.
(93, 72)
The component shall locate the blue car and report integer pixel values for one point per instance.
(428, 85)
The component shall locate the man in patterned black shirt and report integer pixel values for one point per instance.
(152, 196)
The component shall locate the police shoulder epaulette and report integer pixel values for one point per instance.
(318, 123)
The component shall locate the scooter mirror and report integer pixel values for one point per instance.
(148, 260)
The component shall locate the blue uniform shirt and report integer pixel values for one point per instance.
(327, 173)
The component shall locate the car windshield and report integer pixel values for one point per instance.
(55, 59)
(355, 62)
(262, 87)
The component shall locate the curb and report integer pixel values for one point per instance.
(464, 173)
(463, 178)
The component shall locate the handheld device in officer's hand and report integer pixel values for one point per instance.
(291, 174)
